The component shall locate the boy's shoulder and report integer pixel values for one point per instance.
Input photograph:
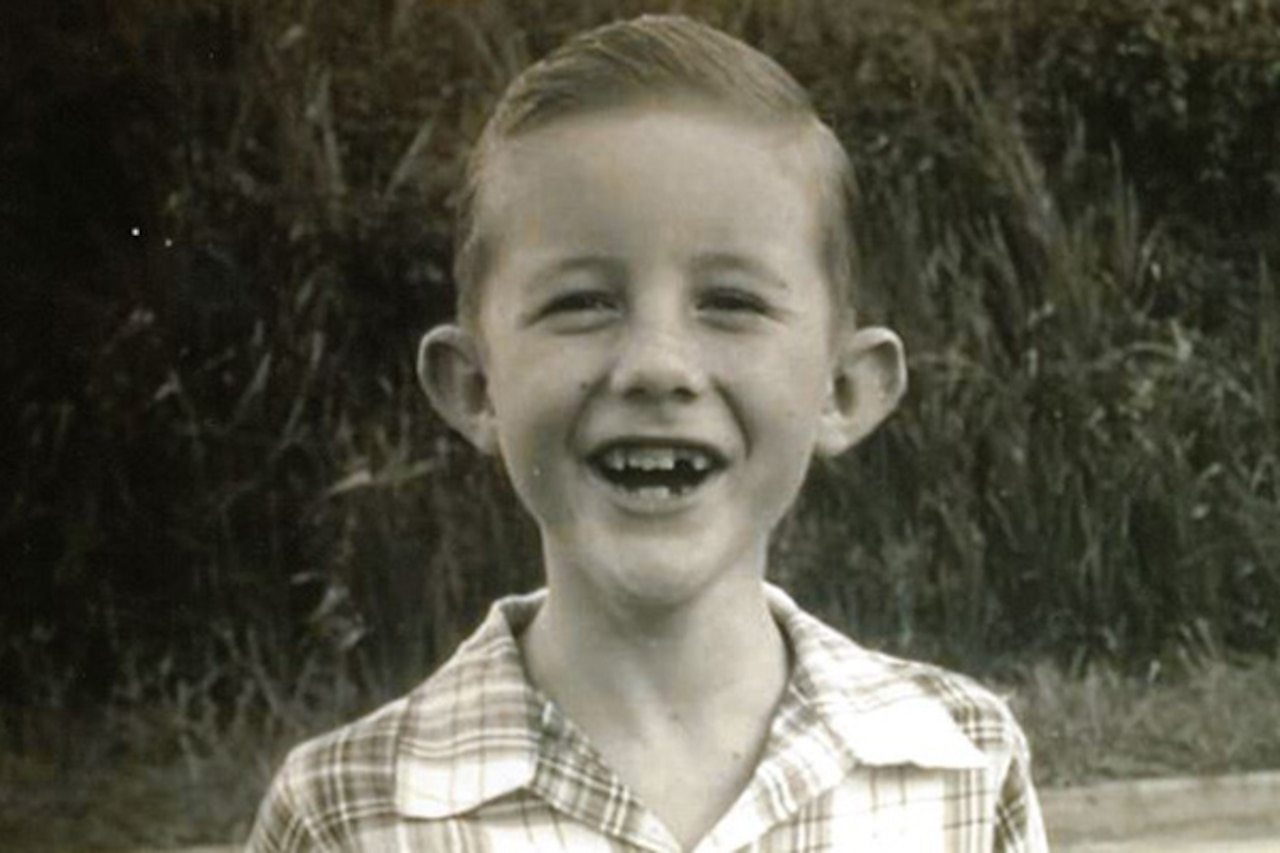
(362, 773)
(894, 709)
(890, 713)
(327, 780)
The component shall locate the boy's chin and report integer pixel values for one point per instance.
(656, 576)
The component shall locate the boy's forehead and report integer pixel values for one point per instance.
(693, 154)
(637, 122)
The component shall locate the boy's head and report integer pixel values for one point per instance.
(655, 336)
(656, 60)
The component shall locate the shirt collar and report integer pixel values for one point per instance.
(471, 733)
(476, 730)
(883, 710)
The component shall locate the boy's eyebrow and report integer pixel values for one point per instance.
(734, 262)
(548, 272)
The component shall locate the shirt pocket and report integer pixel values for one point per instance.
(888, 810)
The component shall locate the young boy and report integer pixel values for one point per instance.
(655, 337)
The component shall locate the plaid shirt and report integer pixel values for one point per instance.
(866, 752)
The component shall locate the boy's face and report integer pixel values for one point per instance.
(653, 356)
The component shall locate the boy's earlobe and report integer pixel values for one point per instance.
(869, 381)
(451, 372)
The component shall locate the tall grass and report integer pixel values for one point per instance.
(230, 477)
(1188, 715)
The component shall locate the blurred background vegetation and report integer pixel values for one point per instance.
(230, 516)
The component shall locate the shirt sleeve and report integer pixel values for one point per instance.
(1019, 823)
(281, 825)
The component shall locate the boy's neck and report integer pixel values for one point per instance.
(678, 701)
(685, 659)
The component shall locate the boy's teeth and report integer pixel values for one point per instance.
(699, 461)
(656, 458)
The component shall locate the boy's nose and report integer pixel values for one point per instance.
(658, 361)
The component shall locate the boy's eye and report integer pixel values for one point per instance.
(735, 302)
(579, 308)
(583, 301)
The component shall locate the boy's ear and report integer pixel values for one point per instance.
(451, 372)
(869, 379)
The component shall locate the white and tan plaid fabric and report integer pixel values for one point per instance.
(866, 752)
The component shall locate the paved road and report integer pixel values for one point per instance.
(1165, 844)
(1221, 814)
(1250, 836)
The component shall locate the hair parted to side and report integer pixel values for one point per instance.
(646, 59)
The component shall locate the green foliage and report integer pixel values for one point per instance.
(1068, 210)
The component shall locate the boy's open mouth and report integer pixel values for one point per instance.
(656, 470)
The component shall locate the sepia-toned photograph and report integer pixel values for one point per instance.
(684, 426)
